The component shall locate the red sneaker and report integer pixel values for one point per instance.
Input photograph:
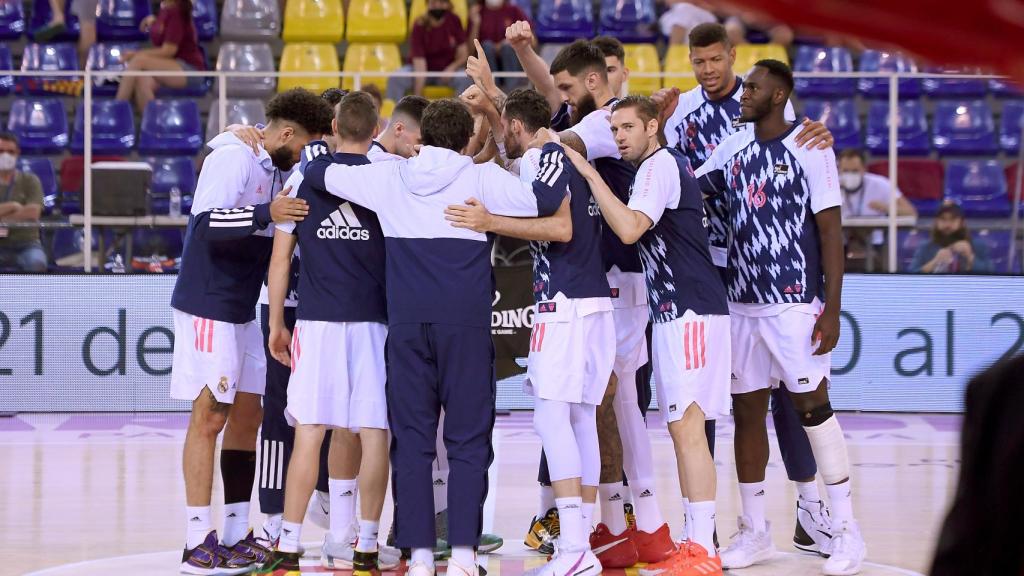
(654, 547)
(614, 551)
(689, 560)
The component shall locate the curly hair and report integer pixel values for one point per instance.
(529, 107)
(447, 124)
(301, 107)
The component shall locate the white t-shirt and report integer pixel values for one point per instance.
(875, 188)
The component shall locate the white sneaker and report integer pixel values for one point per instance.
(813, 527)
(319, 510)
(420, 569)
(340, 555)
(456, 569)
(848, 551)
(565, 563)
(748, 547)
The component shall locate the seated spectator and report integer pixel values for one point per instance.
(21, 200)
(175, 47)
(85, 10)
(950, 249)
(437, 44)
(866, 194)
(681, 16)
(488, 22)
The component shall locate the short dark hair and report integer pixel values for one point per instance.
(579, 57)
(529, 107)
(447, 124)
(646, 109)
(853, 153)
(779, 70)
(374, 93)
(411, 107)
(356, 117)
(610, 46)
(302, 107)
(10, 137)
(704, 35)
(332, 96)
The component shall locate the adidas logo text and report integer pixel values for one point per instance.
(759, 493)
(342, 224)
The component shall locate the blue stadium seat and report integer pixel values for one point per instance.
(6, 82)
(840, 116)
(107, 58)
(1005, 89)
(240, 57)
(823, 59)
(998, 244)
(43, 170)
(955, 87)
(67, 243)
(912, 133)
(908, 242)
(156, 250)
(239, 111)
(192, 88)
(631, 21)
(171, 127)
(879, 61)
(964, 127)
(564, 20)
(1010, 126)
(41, 13)
(526, 6)
(46, 58)
(113, 127)
(118, 20)
(172, 172)
(12, 20)
(40, 123)
(978, 186)
(204, 17)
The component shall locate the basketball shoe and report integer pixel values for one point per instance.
(209, 558)
(748, 547)
(543, 532)
(848, 551)
(654, 547)
(566, 563)
(813, 527)
(689, 559)
(342, 555)
(613, 550)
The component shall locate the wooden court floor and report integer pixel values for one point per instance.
(88, 494)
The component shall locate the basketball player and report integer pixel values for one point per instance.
(439, 286)
(400, 138)
(687, 303)
(784, 284)
(573, 339)
(218, 359)
(704, 117)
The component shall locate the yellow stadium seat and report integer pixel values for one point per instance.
(642, 59)
(748, 54)
(387, 108)
(438, 92)
(376, 21)
(313, 21)
(418, 7)
(371, 58)
(678, 70)
(308, 57)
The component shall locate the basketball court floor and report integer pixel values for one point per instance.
(101, 494)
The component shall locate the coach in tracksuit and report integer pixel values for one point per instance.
(439, 291)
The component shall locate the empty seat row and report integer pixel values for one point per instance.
(980, 187)
(319, 57)
(115, 19)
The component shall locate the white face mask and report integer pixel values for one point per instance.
(8, 161)
(851, 181)
(495, 4)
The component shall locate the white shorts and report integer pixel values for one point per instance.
(691, 364)
(572, 350)
(629, 297)
(770, 348)
(338, 375)
(224, 357)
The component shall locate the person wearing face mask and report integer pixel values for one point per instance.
(488, 20)
(437, 43)
(21, 200)
(219, 364)
(950, 249)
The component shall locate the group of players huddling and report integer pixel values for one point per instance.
(711, 215)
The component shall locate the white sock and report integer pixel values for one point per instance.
(687, 520)
(272, 527)
(236, 523)
(197, 526)
(290, 534)
(627, 495)
(547, 500)
(808, 491)
(368, 531)
(752, 497)
(570, 518)
(343, 508)
(648, 513)
(588, 520)
(704, 525)
(464, 556)
(613, 515)
(440, 490)
(840, 502)
(423, 556)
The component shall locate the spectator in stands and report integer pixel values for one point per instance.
(488, 20)
(865, 194)
(85, 10)
(21, 200)
(437, 44)
(950, 249)
(175, 47)
(681, 16)
(738, 25)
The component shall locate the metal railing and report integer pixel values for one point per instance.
(222, 77)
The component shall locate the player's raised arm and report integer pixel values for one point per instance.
(520, 36)
(363, 184)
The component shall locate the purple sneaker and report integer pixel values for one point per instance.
(249, 552)
(208, 558)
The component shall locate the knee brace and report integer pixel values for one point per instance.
(828, 445)
(552, 422)
(817, 415)
(584, 429)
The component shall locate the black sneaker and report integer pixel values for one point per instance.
(288, 561)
